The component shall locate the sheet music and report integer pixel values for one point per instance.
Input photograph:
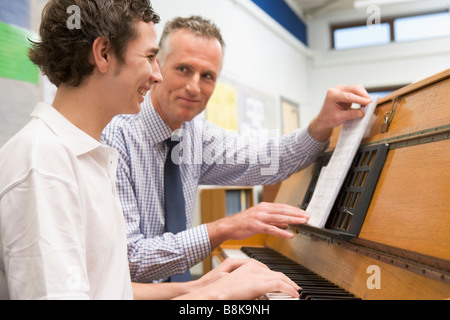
(332, 176)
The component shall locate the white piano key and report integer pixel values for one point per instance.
(279, 296)
(235, 254)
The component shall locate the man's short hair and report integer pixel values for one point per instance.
(63, 52)
(198, 25)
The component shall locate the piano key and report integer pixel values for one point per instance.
(279, 296)
(337, 291)
(312, 286)
(332, 298)
(305, 294)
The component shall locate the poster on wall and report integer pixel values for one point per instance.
(222, 106)
(257, 112)
(14, 61)
(19, 78)
(237, 107)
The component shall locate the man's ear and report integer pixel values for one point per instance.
(101, 54)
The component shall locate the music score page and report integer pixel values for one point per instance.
(332, 176)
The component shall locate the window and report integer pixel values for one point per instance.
(362, 36)
(398, 29)
(422, 27)
(380, 92)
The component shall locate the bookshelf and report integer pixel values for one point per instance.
(220, 202)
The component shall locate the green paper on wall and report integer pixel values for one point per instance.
(14, 61)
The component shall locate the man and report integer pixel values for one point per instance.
(191, 56)
(62, 232)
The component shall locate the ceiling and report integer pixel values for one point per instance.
(312, 8)
(315, 8)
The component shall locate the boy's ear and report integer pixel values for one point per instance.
(101, 54)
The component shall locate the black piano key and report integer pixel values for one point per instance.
(313, 286)
(303, 282)
(307, 290)
(307, 294)
(332, 298)
(308, 285)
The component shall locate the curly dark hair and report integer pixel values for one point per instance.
(63, 53)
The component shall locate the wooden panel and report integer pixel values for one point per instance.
(293, 189)
(349, 270)
(212, 204)
(419, 110)
(418, 85)
(411, 205)
(410, 208)
(269, 192)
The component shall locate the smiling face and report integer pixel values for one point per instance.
(133, 79)
(190, 71)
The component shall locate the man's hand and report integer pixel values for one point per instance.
(337, 109)
(268, 218)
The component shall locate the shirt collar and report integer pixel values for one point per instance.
(77, 140)
(158, 129)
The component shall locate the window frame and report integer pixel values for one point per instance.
(389, 20)
(386, 88)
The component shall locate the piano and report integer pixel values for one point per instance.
(397, 246)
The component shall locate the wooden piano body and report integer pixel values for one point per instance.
(404, 242)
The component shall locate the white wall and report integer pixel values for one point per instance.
(264, 56)
(260, 54)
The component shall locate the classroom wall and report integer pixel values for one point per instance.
(264, 56)
(257, 52)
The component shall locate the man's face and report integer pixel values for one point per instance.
(133, 79)
(190, 71)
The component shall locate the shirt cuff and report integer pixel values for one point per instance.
(199, 247)
(311, 143)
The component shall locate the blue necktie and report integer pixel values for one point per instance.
(174, 201)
